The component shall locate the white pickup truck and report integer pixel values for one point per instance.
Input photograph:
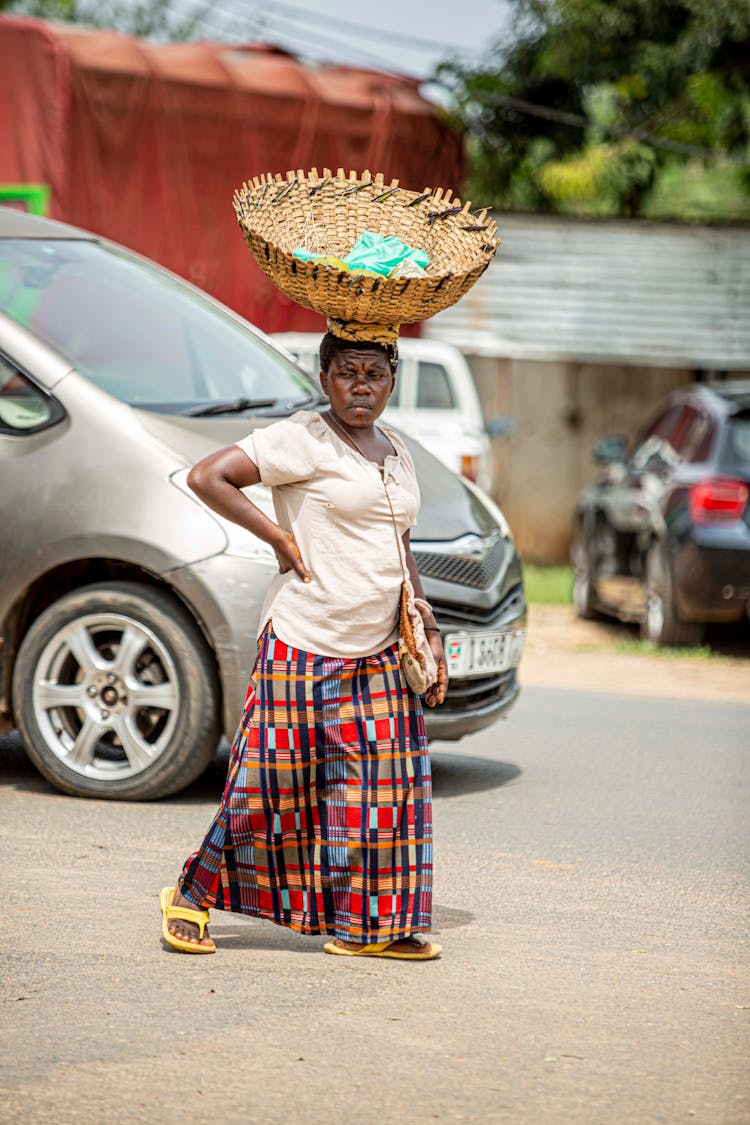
(434, 401)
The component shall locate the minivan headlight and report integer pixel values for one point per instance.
(239, 541)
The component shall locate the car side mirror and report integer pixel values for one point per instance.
(609, 451)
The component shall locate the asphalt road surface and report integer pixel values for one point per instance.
(591, 898)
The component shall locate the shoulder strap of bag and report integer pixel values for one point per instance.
(381, 469)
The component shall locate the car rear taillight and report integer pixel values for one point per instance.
(720, 500)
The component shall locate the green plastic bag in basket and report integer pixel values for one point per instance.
(382, 254)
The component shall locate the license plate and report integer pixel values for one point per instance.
(480, 654)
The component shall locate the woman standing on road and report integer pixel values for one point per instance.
(325, 824)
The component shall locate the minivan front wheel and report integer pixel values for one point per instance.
(115, 694)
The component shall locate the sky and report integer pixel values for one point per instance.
(409, 36)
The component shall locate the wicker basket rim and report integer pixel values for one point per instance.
(453, 206)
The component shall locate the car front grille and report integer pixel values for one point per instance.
(450, 615)
(467, 695)
(463, 569)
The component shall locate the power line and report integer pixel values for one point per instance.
(581, 122)
(418, 41)
(303, 41)
(306, 38)
(332, 54)
(276, 14)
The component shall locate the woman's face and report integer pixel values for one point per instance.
(358, 384)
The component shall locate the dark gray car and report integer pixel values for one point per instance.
(663, 536)
(128, 610)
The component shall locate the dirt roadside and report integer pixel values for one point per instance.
(563, 652)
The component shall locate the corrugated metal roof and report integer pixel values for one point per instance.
(634, 292)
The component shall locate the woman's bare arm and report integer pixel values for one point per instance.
(217, 480)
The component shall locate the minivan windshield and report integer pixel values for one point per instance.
(140, 334)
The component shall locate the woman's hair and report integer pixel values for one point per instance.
(331, 345)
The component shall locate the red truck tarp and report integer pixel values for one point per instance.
(145, 143)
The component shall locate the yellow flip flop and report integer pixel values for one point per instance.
(427, 952)
(169, 912)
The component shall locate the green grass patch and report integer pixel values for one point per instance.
(548, 585)
(637, 647)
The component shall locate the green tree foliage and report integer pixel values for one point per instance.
(158, 19)
(613, 107)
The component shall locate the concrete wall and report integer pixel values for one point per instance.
(560, 410)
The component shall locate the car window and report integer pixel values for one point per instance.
(24, 408)
(434, 391)
(654, 445)
(680, 436)
(135, 331)
(680, 433)
(690, 437)
(696, 440)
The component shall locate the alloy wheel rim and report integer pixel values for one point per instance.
(654, 615)
(581, 590)
(106, 696)
(654, 601)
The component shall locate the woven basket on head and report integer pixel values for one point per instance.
(326, 214)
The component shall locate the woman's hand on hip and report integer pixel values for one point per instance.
(287, 553)
(436, 693)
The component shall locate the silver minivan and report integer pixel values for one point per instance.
(128, 610)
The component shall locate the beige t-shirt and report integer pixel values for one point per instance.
(333, 502)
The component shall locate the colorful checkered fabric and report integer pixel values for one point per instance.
(325, 825)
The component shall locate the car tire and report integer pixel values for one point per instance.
(660, 623)
(584, 600)
(116, 695)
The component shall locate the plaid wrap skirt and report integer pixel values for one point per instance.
(325, 824)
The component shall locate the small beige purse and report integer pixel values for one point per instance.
(417, 662)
